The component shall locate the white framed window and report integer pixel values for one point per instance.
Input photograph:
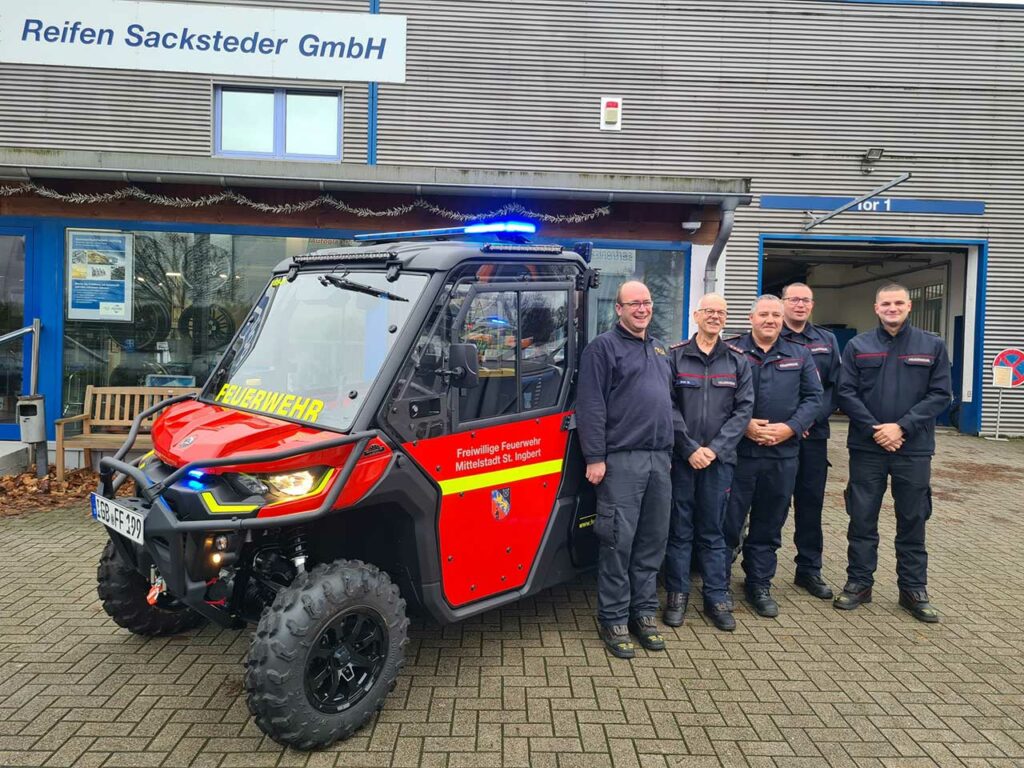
(927, 307)
(277, 123)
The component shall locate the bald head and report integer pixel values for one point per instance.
(630, 286)
(633, 305)
(709, 317)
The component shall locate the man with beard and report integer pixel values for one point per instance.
(787, 399)
(714, 399)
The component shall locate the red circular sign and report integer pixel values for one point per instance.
(1012, 358)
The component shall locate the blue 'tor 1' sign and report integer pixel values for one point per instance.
(874, 205)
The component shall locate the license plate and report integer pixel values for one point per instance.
(118, 517)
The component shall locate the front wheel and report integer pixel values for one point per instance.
(326, 654)
(123, 592)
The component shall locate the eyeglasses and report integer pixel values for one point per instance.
(634, 305)
(798, 300)
(714, 312)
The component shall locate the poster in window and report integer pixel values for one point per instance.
(100, 275)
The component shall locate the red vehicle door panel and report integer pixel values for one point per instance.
(498, 487)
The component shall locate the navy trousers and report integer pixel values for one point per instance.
(808, 499)
(699, 499)
(763, 487)
(912, 498)
(633, 505)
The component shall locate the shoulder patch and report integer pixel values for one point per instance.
(679, 344)
(734, 348)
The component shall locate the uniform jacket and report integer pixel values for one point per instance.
(786, 389)
(903, 379)
(821, 343)
(714, 398)
(624, 396)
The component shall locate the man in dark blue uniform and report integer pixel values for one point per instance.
(714, 398)
(894, 381)
(787, 399)
(624, 419)
(812, 468)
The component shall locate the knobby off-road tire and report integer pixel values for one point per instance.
(326, 654)
(123, 592)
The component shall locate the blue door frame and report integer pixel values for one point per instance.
(970, 413)
(11, 431)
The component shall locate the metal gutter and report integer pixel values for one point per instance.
(724, 231)
(22, 164)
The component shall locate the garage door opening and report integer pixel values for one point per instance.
(845, 276)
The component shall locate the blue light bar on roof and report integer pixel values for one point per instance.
(524, 227)
(517, 227)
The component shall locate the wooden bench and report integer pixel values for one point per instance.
(107, 416)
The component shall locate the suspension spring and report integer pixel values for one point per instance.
(298, 548)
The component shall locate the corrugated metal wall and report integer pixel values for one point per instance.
(788, 93)
(128, 111)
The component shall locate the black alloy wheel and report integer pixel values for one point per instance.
(326, 654)
(346, 660)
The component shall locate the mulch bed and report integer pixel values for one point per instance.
(26, 492)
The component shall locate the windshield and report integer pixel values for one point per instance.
(312, 347)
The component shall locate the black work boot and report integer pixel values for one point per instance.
(814, 584)
(761, 600)
(853, 594)
(646, 630)
(916, 601)
(616, 639)
(675, 608)
(721, 616)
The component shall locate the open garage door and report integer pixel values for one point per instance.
(845, 275)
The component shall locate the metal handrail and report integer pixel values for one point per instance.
(34, 330)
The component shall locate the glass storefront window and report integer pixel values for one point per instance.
(664, 273)
(191, 292)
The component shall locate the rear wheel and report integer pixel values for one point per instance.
(123, 592)
(326, 654)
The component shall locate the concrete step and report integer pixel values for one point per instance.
(15, 457)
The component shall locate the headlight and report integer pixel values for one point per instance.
(292, 483)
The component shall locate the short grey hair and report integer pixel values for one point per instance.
(764, 297)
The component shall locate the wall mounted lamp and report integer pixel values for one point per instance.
(869, 158)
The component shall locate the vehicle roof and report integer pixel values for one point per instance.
(430, 256)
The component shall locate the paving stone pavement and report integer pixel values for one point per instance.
(530, 685)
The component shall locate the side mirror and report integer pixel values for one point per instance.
(462, 366)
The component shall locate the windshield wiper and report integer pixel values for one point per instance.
(349, 285)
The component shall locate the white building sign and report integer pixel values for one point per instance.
(198, 37)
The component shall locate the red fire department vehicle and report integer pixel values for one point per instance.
(392, 425)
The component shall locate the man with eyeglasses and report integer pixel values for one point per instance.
(812, 466)
(895, 381)
(787, 399)
(624, 421)
(714, 397)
